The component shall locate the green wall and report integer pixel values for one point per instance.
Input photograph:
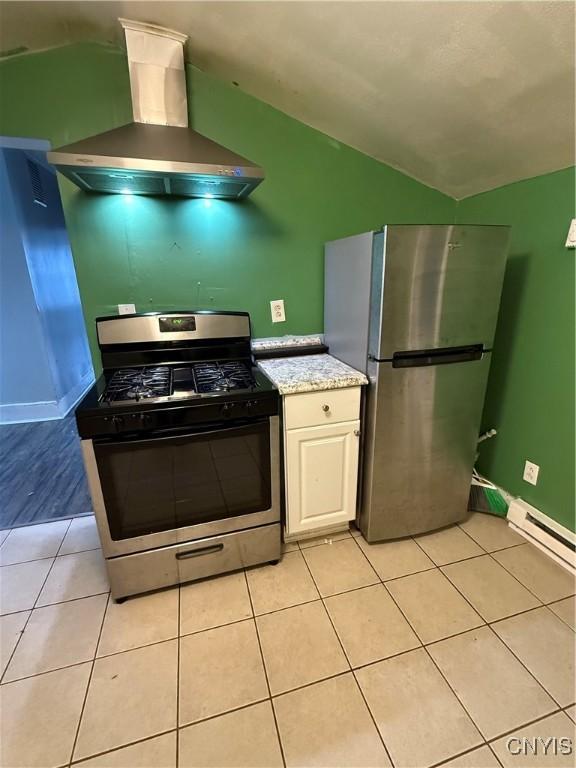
(163, 254)
(530, 398)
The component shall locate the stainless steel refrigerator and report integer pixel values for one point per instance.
(415, 307)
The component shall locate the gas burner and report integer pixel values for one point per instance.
(222, 377)
(139, 391)
(138, 383)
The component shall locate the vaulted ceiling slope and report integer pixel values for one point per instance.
(464, 96)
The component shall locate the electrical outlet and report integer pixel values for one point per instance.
(126, 309)
(531, 473)
(277, 311)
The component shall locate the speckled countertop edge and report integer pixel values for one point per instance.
(280, 342)
(311, 373)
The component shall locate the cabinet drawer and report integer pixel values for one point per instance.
(330, 406)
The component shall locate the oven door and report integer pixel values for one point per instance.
(175, 487)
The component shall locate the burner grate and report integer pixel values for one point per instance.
(138, 384)
(222, 377)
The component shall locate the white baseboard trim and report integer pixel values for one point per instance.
(18, 413)
(545, 533)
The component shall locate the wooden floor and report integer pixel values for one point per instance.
(41, 473)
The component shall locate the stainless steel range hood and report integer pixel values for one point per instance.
(157, 154)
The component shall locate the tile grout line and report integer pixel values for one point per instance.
(355, 589)
(489, 554)
(504, 618)
(33, 523)
(394, 578)
(79, 763)
(432, 660)
(526, 724)
(530, 610)
(310, 685)
(519, 660)
(50, 557)
(85, 699)
(463, 754)
(462, 595)
(149, 737)
(216, 715)
(498, 549)
(59, 602)
(428, 570)
(490, 747)
(514, 546)
(351, 670)
(549, 606)
(524, 585)
(486, 624)
(33, 605)
(279, 610)
(55, 669)
(265, 669)
(437, 567)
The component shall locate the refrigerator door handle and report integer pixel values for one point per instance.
(438, 356)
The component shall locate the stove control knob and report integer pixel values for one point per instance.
(226, 410)
(251, 405)
(118, 422)
(145, 419)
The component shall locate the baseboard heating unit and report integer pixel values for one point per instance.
(545, 533)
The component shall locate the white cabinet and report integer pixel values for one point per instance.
(321, 446)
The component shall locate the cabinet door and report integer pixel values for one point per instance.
(321, 475)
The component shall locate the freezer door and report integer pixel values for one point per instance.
(347, 274)
(421, 433)
(436, 286)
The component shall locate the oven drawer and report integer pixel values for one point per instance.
(145, 571)
(311, 409)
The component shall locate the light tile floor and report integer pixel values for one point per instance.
(429, 651)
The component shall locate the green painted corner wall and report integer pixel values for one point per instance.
(530, 398)
(163, 254)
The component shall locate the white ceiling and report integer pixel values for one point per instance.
(465, 96)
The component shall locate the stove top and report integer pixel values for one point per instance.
(174, 371)
(162, 381)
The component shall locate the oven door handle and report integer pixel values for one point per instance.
(159, 435)
(210, 550)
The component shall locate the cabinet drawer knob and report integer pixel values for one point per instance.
(357, 432)
(325, 408)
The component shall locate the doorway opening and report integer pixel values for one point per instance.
(45, 362)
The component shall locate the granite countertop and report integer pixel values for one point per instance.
(278, 342)
(311, 373)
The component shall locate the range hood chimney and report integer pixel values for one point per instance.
(157, 154)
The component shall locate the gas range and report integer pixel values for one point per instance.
(181, 443)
